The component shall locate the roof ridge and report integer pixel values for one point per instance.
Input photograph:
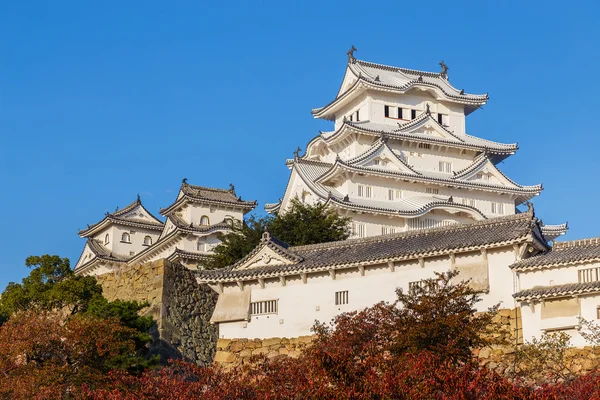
(576, 243)
(421, 232)
(396, 69)
(206, 188)
(127, 208)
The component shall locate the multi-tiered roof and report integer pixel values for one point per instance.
(333, 158)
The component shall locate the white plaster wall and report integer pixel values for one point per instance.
(534, 326)
(215, 213)
(137, 236)
(299, 304)
(415, 100)
(552, 276)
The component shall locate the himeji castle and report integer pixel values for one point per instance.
(132, 235)
(399, 157)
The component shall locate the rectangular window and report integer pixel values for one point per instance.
(432, 190)
(597, 312)
(439, 118)
(386, 230)
(413, 114)
(469, 202)
(376, 162)
(497, 208)
(390, 194)
(413, 286)
(263, 307)
(445, 166)
(357, 115)
(386, 111)
(351, 117)
(341, 297)
(424, 146)
(400, 113)
(358, 230)
(589, 275)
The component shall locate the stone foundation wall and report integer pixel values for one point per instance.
(180, 306)
(238, 351)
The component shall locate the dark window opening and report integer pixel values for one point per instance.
(399, 113)
(440, 119)
(357, 115)
(413, 114)
(386, 111)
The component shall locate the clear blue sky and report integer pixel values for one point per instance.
(100, 101)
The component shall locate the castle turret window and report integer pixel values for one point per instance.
(341, 297)
(204, 220)
(125, 237)
(263, 307)
(106, 239)
(400, 113)
(413, 114)
(386, 111)
(147, 241)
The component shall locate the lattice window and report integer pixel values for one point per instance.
(497, 208)
(341, 297)
(432, 190)
(445, 166)
(358, 230)
(589, 275)
(263, 307)
(364, 191)
(386, 230)
(469, 202)
(425, 146)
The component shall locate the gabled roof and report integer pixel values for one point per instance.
(562, 254)
(179, 254)
(100, 253)
(202, 194)
(184, 226)
(409, 245)
(525, 192)
(273, 207)
(367, 75)
(134, 215)
(569, 289)
(378, 149)
(408, 131)
(313, 172)
(551, 232)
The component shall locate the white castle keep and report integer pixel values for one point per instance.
(424, 197)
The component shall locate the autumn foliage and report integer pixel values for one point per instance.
(416, 348)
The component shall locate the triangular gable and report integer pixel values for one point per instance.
(269, 252)
(382, 157)
(139, 213)
(428, 126)
(491, 174)
(349, 80)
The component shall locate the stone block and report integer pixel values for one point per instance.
(224, 357)
(260, 351)
(236, 347)
(245, 353)
(271, 341)
(223, 343)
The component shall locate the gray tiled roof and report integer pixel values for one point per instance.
(102, 252)
(186, 255)
(563, 253)
(185, 226)
(557, 290)
(119, 217)
(406, 245)
(210, 195)
(401, 79)
(551, 232)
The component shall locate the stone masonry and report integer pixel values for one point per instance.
(180, 306)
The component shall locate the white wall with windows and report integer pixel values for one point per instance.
(299, 304)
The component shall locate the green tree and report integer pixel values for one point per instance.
(53, 286)
(302, 224)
